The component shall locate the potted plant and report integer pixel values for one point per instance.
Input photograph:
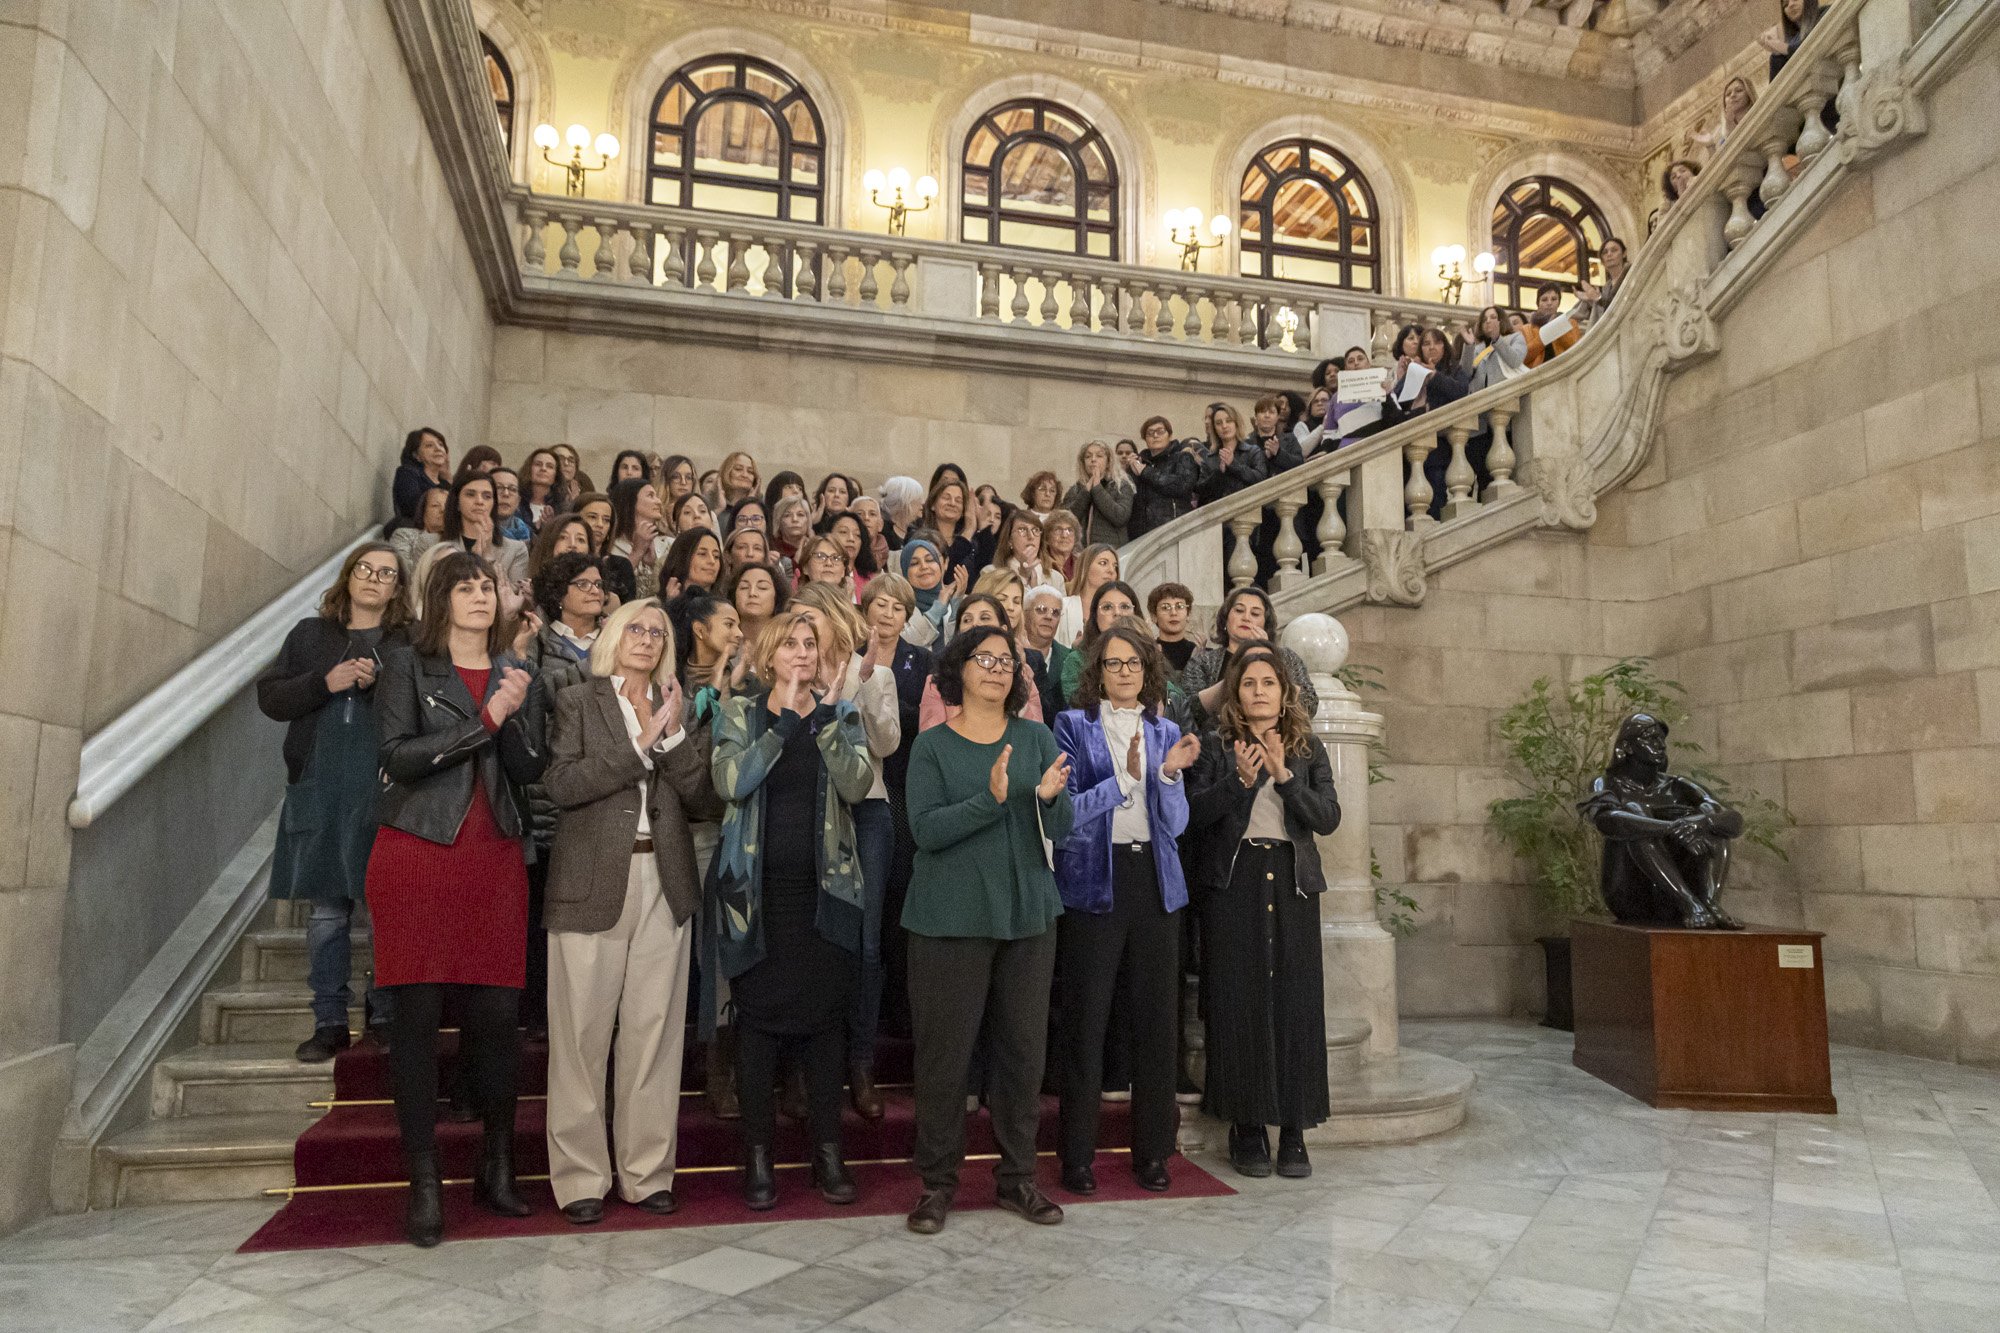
(1558, 740)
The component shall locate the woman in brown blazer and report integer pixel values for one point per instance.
(627, 777)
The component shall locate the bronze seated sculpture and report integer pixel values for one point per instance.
(1666, 839)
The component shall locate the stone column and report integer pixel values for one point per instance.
(1359, 955)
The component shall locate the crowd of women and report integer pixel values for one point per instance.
(785, 765)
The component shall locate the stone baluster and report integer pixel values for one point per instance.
(1811, 104)
(1136, 319)
(570, 255)
(989, 291)
(1459, 478)
(899, 288)
(704, 259)
(1743, 176)
(738, 274)
(1163, 314)
(1848, 100)
(870, 287)
(1018, 307)
(1500, 455)
(1357, 956)
(808, 279)
(1079, 303)
(1191, 326)
(1332, 530)
(534, 250)
(836, 274)
(639, 260)
(1286, 547)
(1776, 180)
(1244, 322)
(604, 260)
(1050, 308)
(1274, 332)
(1242, 568)
(673, 257)
(1384, 324)
(1417, 490)
(777, 274)
(1110, 310)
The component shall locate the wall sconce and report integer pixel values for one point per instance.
(1184, 230)
(898, 180)
(575, 170)
(1483, 264)
(1451, 276)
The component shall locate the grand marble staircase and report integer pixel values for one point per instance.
(218, 1101)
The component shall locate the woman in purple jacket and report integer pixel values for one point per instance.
(1122, 891)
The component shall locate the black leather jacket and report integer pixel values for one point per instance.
(434, 745)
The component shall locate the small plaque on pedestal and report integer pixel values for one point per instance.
(1711, 1020)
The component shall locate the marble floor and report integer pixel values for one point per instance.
(1560, 1204)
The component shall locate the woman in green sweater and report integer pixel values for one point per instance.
(988, 792)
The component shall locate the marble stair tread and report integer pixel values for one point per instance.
(278, 953)
(247, 1062)
(1404, 1082)
(256, 1011)
(195, 1158)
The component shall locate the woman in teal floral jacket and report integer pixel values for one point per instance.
(785, 894)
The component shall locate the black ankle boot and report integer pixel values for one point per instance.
(1250, 1150)
(493, 1186)
(760, 1182)
(1293, 1163)
(830, 1175)
(423, 1219)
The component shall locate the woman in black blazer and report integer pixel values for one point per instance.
(322, 685)
(1258, 797)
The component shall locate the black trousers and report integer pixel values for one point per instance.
(1130, 954)
(821, 1057)
(955, 984)
(489, 1049)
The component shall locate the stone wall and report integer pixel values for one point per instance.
(1813, 549)
(230, 278)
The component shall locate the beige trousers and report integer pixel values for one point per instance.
(633, 978)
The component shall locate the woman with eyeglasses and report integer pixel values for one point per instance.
(447, 882)
(979, 610)
(570, 594)
(630, 778)
(322, 687)
(1122, 890)
(787, 895)
(985, 790)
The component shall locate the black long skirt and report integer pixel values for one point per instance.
(1261, 976)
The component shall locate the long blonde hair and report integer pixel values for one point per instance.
(844, 622)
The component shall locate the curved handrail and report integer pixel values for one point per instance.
(133, 743)
(1662, 317)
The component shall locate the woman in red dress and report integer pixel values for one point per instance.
(447, 885)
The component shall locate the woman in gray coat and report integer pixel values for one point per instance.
(1101, 499)
(627, 777)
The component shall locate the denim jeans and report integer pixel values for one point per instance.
(329, 959)
(875, 832)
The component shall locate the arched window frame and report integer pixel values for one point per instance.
(788, 191)
(1510, 290)
(993, 212)
(1267, 251)
(505, 102)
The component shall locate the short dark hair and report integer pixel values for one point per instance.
(981, 599)
(1547, 288)
(1151, 422)
(553, 579)
(733, 516)
(469, 465)
(1152, 668)
(1236, 595)
(775, 487)
(433, 634)
(1319, 371)
(1088, 636)
(950, 672)
(415, 441)
(1164, 591)
(781, 595)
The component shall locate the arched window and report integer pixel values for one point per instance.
(500, 79)
(1544, 230)
(1308, 215)
(738, 135)
(1037, 174)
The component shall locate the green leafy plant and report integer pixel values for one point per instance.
(1559, 740)
(1396, 909)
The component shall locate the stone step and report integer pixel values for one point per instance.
(278, 953)
(197, 1158)
(1347, 1045)
(238, 1078)
(257, 1011)
(1395, 1098)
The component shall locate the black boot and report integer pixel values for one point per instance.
(423, 1220)
(1250, 1150)
(493, 1185)
(1293, 1163)
(760, 1182)
(830, 1176)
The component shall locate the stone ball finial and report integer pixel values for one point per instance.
(1319, 640)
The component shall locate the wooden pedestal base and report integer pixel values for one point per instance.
(1712, 1020)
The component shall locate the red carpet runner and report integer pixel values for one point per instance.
(355, 1144)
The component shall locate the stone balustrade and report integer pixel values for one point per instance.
(593, 250)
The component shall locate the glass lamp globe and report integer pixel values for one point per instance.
(578, 137)
(546, 136)
(1219, 225)
(1482, 262)
(927, 187)
(607, 146)
(873, 181)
